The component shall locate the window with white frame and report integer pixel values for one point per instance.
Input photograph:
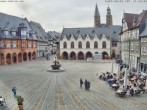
(8, 44)
(1, 44)
(29, 44)
(137, 47)
(6, 32)
(144, 51)
(14, 44)
(14, 33)
(132, 46)
(23, 44)
(34, 44)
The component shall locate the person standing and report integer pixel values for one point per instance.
(85, 84)
(14, 91)
(88, 85)
(81, 82)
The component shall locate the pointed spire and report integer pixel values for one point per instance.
(96, 11)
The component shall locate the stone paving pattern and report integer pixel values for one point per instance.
(44, 90)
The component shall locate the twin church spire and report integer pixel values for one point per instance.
(97, 19)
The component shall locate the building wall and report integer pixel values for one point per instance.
(42, 49)
(19, 49)
(84, 49)
(130, 47)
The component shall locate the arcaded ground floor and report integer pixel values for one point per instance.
(44, 90)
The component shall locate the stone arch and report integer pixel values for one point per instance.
(24, 56)
(20, 57)
(80, 55)
(2, 57)
(8, 58)
(14, 58)
(88, 55)
(73, 55)
(34, 55)
(29, 56)
(104, 55)
(65, 55)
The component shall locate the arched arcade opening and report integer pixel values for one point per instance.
(8, 58)
(65, 55)
(81, 56)
(14, 58)
(25, 56)
(73, 56)
(88, 55)
(104, 55)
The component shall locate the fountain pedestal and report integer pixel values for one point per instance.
(56, 66)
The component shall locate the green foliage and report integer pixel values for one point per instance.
(19, 100)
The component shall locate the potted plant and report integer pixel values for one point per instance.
(20, 102)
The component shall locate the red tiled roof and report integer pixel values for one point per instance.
(129, 17)
(139, 19)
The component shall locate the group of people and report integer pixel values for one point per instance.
(86, 83)
(135, 86)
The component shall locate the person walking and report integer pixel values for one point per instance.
(81, 82)
(88, 85)
(85, 84)
(14, 91)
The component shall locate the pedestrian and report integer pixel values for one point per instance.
(88, 85)
(85, 84)
(14, 91)
(81, 82)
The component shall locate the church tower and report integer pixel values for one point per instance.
(109, 17)
(97, 20)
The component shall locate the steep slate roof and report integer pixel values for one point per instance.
(144, 32)
(39, 31)
(92, 31)
(54, 34)
(10, 22)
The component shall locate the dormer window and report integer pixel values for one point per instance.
(13, 33)
(6, 32)
(23, 32)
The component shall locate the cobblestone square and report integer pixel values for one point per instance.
(43, 90)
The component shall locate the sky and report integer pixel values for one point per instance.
(54, 15)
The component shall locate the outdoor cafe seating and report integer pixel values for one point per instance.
(121, 92)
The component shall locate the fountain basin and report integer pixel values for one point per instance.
(55, 67)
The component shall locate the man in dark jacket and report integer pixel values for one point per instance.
(88, 85)
(85, 84)
(81, 82)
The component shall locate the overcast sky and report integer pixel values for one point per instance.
(56, 14)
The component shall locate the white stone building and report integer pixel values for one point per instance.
(83, 43)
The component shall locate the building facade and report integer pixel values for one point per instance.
(83, 43)
(54, 40)
(17, 41)
(132, 27)
(143, 47)
(42, 38)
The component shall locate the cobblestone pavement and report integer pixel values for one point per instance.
(44, 90)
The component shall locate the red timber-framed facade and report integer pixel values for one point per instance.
(17, 50)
